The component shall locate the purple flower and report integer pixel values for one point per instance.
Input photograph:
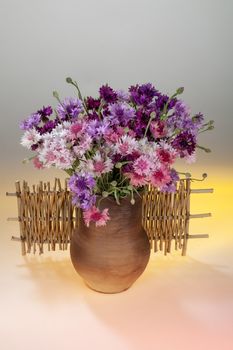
(123, 96)
(84, 200)
(32, 121)
(45, 111)
(70, 107)
(92, 127)
(141, 121)
(181, 109)
(108, 94)
(82, 186)
(92, 103)
(198, 119)
(81, 182)
(121, 113)
(184, 143)
(48, 126)
(171, 186)
(142, 94)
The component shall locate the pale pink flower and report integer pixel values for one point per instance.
(160, 177)
(95, 215)
(83, 146)
(101, 165)
(126, 145)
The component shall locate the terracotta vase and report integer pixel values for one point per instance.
(110, 258)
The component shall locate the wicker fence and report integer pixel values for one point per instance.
(47, 217)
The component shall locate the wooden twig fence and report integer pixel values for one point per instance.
(47, 217)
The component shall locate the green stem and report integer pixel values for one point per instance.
(75, 84)
(148, 124)
(207, 150)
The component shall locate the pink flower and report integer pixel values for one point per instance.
(37, 164)
(131, 133)
(94, 214)
(136, 179)
(111, 136)
(158, 129)
(142, 166)
(160, 177)
(76, 129)
(120, 131)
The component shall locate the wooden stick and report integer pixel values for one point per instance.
(205, 190)
(200, 235)
(197, 216)
(186, 224)
(18, 190)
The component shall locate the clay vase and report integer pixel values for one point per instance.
(110, 258)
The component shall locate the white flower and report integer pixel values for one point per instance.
(30, 137)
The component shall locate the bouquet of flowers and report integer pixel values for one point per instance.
(115, 144)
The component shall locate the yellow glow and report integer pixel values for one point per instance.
(179, 302)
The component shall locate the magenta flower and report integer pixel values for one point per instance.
(108, 94)
(158, 129)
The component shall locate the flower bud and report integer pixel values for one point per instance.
(118, 165)
(132, 201)
(180, 90)
(69, 80)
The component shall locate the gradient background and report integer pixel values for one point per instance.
(179, 302)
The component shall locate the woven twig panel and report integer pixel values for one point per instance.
(47, 217)
(166, 217)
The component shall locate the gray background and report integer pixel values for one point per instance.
(170, 43)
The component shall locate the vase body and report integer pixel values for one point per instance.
(110, 258)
